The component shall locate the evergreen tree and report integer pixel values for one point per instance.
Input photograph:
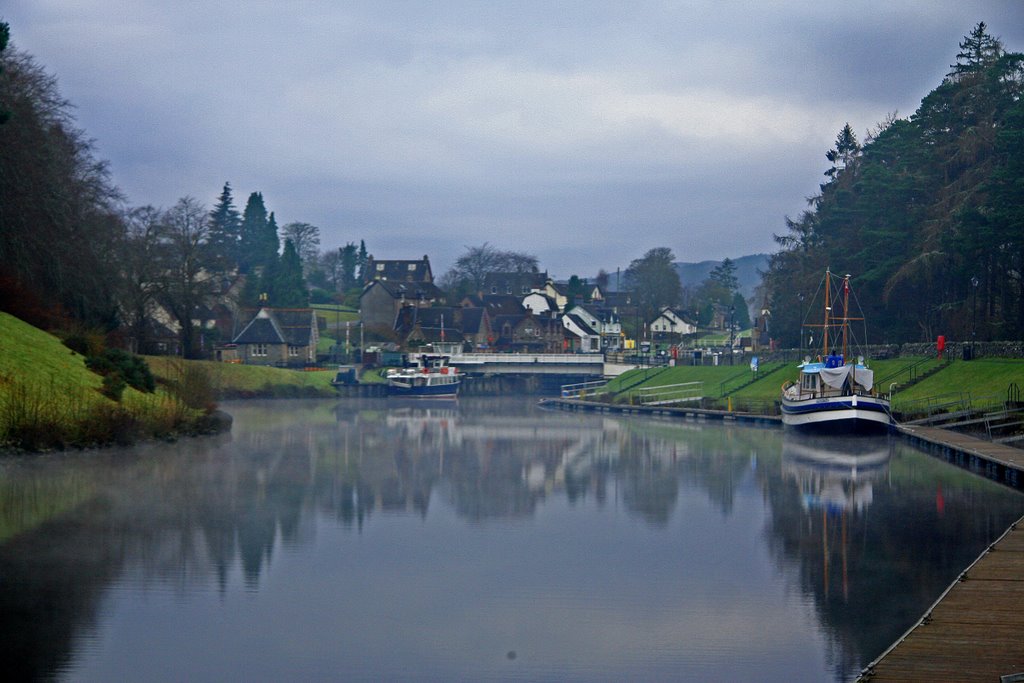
(348, 266)
(5, 36)
(725, 275)
(978, 51)
(360, 261)
(284, 285)
(254, 225)
(225, 231)
(846, 150)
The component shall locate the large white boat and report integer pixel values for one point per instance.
(832, 393)
(426, 376)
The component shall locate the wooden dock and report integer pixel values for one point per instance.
(975, 630)
(996, 461)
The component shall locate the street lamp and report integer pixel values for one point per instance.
(732, 330)
(800, 296)
(974, 313)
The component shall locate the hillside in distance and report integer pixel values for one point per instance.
(748, 272)
(691, 275)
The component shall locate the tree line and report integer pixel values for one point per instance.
(73, 253)
(927, 215)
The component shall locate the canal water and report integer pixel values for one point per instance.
(484, 541)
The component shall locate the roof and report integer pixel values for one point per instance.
(582, 324)
(503, 304)
(292, 326)
(411, 291)
(472, 320)
(404, 270)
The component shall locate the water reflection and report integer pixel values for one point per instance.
(596, 548)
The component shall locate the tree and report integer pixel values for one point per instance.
(140, 261)
(470, 270)
(362, 258)
(259, 241)
(978, 51)
(185, 285)
(844, 153)
(347, 266)
(60, 222)
(306, 239)
(225, 231)
(282, 281)
(725, 275)
(654, 281)
(5, 36)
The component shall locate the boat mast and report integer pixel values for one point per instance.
(846, 309)
(828, 307)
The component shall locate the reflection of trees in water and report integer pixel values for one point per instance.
(831, 527)
(201, 509)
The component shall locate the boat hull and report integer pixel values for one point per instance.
(840, 414)
(450, 390)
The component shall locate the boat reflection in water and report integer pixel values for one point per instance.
(835, 474)
(836, 477)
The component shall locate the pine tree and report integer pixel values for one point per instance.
(348, 266)
(225, 231)
(978, 51)
(284, 284)
(361, 260)
(254, 225)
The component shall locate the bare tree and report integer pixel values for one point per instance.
(306, 240)
(185, 285)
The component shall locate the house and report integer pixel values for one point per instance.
(398, 270)
(526, 333)
(475, 324)
(282, 337)
(381, 300)
(582, 336)
(671, 321)
(539, 303)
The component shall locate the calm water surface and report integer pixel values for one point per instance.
(488, 541)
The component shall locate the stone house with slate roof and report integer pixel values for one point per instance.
(282, 337)
(398, 270)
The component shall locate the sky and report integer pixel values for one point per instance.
(583, 133)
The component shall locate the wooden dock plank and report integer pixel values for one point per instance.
(975, 632)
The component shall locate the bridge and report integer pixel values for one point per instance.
(588, 364)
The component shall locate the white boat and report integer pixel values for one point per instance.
(427, 376)
(832, 394)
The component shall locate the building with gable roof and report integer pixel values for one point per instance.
(282, 337)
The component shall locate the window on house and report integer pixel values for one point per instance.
(494, 289)
(412, 266)
(258, 350)
(380, 267)
(293, 351)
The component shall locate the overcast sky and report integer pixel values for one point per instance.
(584, 133)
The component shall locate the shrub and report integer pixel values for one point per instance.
(131, 369)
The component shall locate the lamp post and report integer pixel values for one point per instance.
(800, 296)
(732, 329)
(974, 313)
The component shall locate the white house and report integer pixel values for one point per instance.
(671, 321)
(539, 303)
(585, 337)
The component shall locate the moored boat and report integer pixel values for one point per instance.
(427, 376)
(833, 394)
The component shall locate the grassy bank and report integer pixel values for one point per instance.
(49, 399)
(913, 380)
(230, 380)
